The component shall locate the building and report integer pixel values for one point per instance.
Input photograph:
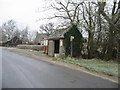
(39, 40)
(66, 41)
(55, 43)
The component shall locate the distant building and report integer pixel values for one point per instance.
(39, 40)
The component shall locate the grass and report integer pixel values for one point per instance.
(106, 67)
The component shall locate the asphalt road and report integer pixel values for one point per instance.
(24, 72)
(0, 69)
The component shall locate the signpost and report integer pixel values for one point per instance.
(71, 39)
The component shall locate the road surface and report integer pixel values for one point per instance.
(0, 68)
(24, 72)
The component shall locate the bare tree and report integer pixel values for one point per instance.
(0, 34)
(66, 10)
(31, 36)
(24, 35)
(89, 19)
(47, 28)
(112, 20)
(9, 29)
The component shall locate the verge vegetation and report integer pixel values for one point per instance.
(106, 67)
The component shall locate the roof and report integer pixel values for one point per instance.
(40, 37)
(58, 34)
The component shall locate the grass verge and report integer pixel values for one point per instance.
(106, 67)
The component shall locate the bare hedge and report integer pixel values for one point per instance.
(32, 47)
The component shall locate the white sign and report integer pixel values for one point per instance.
(61, 42)
(71, 38)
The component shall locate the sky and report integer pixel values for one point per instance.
(23, 12)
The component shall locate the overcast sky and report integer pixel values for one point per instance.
(24, 12)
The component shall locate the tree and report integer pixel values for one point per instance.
(9, 30)
(24, 35)
(67, 11)
(89, 18)
(31, 36)
(47, 28)
(112, 24)
(0, 35)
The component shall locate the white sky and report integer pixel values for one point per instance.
(24, 12)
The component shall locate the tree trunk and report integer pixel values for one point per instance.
(90, 45)
(110, 45)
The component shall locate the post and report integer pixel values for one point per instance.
(71, 39)
(71, 49)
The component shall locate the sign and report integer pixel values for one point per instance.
(71, 38)
(61, 42)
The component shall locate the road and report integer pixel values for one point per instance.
(0, 69)
(24, 72)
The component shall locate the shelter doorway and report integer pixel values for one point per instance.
(56, 46)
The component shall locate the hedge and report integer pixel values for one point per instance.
(32, 47)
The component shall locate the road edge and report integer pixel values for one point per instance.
(48, 59)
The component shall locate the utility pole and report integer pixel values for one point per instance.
(71, 39)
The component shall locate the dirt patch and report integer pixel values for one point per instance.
(39, 55)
